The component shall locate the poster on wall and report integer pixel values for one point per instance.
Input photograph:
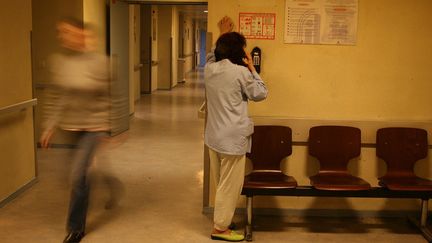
(257, 25)
(321, 22)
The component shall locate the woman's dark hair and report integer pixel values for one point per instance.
(230, 46)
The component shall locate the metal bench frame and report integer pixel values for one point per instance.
(309, 191)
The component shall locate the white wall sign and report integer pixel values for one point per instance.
(321, 21)
(257, 25)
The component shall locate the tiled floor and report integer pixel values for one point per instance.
(159, 165)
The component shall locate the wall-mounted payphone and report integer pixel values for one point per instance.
(256, 58)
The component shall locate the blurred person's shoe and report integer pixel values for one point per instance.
(111, 203)
(229, 235)
(74, 236)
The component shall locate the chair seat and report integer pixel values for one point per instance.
(270, 180)
(411, 183)
(338, 181)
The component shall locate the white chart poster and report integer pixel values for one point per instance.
(258, 25)
(321, 21)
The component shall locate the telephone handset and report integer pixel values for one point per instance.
(256, 58)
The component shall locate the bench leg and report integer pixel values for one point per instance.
(423, 220)
(424, 212)
(248, 233)
(427, 234)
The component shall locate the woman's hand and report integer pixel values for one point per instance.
(249, 62)
(46, 138)
(225, 25)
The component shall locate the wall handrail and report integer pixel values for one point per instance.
(187, 55)
(18, 106)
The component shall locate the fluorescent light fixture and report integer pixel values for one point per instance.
(205, 11)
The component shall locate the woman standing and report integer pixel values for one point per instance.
(230, 82)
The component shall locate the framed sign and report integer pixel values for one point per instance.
(257, 25)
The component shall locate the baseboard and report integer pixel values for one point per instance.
(14, 195)
(324, 212)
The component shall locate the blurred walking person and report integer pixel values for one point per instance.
(79, 104)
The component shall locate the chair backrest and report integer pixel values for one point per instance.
(334, 146)
(401, 148)
(270, 144)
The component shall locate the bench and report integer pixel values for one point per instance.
(334, 146)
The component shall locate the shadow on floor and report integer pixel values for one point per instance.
(333, 224)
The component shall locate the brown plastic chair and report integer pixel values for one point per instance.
(334, 146)
(401, 148)
(270, 145)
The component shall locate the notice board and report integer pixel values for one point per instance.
(321, 21)
(257, 25)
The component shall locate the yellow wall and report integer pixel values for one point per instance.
(17, 157)
(175, 46)
(386, 75)
(94, 13)
(383, 80)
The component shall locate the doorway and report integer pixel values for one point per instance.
(171, 43)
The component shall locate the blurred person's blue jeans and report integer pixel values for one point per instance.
(86, 147)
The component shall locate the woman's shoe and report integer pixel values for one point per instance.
(74, 237)
(232, 236)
